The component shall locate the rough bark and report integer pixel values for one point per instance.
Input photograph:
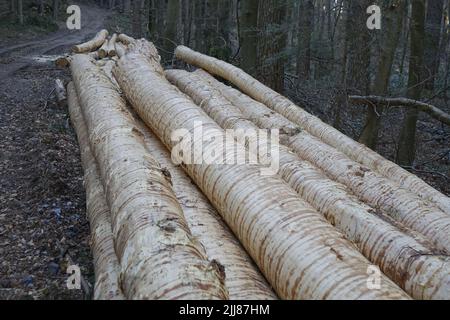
(248, 36)
(392, 21)
(394, 249)
(432, 38)
(136, 19)
(170, 36)
(315, 126)
(406, 151)
(272, 43)
(306, 20)
(55, 7)
(159, 257)
(20, 11)
(260, 210)
(106, 264)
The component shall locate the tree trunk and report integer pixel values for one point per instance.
(306, 19)
(315, 126)
(249, 35)
(13, 6)
(159, 257)
(126, 6)
(41, 7)
(55, 6)
(392, 21)
(352, 217)
(170, 36)
(20, 11)
(136, 23)
(106, 264)
(272, 43)
(407, 142)
(187, 7)
(199, 25)
(432, 39)
(246, 199)
(358, 40)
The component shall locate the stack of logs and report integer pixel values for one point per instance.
(338, 221)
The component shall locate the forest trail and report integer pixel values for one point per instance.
(42, 201)
(21, 55)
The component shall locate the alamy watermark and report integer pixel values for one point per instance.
(374, 21)
(212, 146)
(73, 22)
(374, 278)
(73, 281)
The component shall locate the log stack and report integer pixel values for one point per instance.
(334, 221)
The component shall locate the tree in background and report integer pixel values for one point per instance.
(407, 144)
(170, 36)
(20, 11)
(305, 29)
(392, 21)
(249, 35)
(55, 9)
(136, 19)
(272, 42)
(432, 41)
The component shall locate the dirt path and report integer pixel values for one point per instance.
(42, 204)
(20, 55)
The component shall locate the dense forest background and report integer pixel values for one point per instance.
(317, 52)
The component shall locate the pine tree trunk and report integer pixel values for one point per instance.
(55, 6)
(432, 40)
(306, 17)
(407, 143)
(249, 35)
(126, 6)
(170, 36)
(272, 43)
(20, 11)
(136, 22)
(358, 40)
(41, 7)
(187, 6)
(13, 6)
(393, 20)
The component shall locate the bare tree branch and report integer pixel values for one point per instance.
(403, 102)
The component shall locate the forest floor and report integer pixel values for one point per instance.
(42, 202)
